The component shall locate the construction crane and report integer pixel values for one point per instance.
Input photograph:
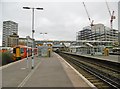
(91, 21)
(112, 16)
(91, 24)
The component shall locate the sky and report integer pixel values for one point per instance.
(61, 20)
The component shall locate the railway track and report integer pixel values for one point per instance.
(103, 76)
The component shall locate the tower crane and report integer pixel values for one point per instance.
(91, 21)
(112, 16)
(91, 24)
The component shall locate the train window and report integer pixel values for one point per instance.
(29, 50)
(14, 50)
(22, 50)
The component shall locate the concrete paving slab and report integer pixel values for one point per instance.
(14, 74)
(49, 73)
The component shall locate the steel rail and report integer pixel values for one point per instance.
(102, 76)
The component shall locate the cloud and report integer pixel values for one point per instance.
(58, 1)
(44, 22)
(61, 20)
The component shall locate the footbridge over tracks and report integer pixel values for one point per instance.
(55, 44)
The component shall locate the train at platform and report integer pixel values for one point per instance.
(5, 49)
(19, 52)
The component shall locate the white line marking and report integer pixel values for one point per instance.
(88, 82)
(28, 76)
(23, 68)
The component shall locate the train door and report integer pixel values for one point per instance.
(18, 54)
(25, 52)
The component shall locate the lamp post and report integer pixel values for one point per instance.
(43, 35)
(33, 31)
(27, 37)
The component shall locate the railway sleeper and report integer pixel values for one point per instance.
(94, 80)
(90, 78)
(101, 86)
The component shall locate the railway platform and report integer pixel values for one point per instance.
(111, 58)
(51, 71)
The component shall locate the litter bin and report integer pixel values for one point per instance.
(49, 52)
(106, 52)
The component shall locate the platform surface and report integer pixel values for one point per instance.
(48, 72)
(112, 58)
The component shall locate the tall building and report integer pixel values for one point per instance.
(98, 32)
(9, 28)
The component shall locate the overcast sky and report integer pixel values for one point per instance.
(61, 20)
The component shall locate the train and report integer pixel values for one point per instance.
(20, 52)
(5, 49)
